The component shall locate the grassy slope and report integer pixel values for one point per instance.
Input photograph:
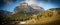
(46, 17)
(20, 16)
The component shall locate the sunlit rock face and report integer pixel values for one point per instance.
(24, 7)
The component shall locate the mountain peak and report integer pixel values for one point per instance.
(24, 7)
(23, 3)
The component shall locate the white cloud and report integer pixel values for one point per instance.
(30, 1)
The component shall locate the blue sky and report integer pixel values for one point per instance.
(43, 3)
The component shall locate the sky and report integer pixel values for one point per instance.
(9, 5)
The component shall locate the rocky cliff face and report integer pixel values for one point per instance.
(24, 7)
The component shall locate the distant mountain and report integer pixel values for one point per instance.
(4, 13)
(24, 7)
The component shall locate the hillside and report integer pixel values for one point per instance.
(3, 14)
(47, 17)
(20, 16)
